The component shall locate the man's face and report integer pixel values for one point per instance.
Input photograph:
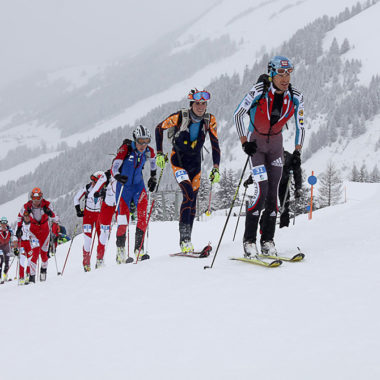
(199, 108)
(281, 81)
(3, 226)
(36, 202)
(141, 144)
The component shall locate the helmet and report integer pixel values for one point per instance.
(3, 220)
(279, 62)
(36, 194)
(198, 95)
(141, 132)
(96, 176)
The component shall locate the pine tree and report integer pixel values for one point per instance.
(354, 174)
(375, 175)
(363, 174)
(330, 189)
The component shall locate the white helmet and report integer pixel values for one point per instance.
(141, 132)
(96, 175)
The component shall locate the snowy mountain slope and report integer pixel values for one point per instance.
(235, 20)
(168, 318)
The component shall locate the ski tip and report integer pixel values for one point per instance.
(275, 263)
(298, 257)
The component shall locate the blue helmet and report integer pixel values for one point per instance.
(4, 220)
(279, 62)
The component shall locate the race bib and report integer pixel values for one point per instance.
(181, 175)
(259, 173)
(87, 228)
(104, 227)
(34, 243)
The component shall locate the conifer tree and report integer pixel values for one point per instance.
(330, 189)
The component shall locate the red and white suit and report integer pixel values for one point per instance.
(90, 219)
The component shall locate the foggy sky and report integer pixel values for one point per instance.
(51, 34)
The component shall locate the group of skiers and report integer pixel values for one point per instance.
(270, 104)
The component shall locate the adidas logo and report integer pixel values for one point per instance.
(277, 162)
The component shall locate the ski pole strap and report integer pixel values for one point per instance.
(229, 214)
(241, 206)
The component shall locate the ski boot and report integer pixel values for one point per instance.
(87, 268)
(43, 274)
(187, 246)
(139, 246)
(21, 281)
(250, 249)
(268, 248)
(99, 263)
(27, 279)
(32, 279)
(143, 256)
(120, 255)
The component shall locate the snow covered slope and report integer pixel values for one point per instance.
(168, 318)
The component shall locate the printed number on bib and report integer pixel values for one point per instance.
(259, 173)
(181, 175)
(34, 243)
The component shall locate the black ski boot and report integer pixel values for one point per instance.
(43, 274)
(138, 239)
(32, 279)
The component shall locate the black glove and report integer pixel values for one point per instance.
(100, 194)
(15, 251)
(19, 233)
(248, 181)
(250, 147)
(265, 79)
(47, 211)
(297, 193)
(79, 211)
(152, 182)
(296, 159)
(121, 178)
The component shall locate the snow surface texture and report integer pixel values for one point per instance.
(168, 318)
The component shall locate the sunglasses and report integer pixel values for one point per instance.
(282, 71)
(142, 142)
(201, 95)
(36, 197)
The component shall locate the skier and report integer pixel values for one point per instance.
(24, 250)
(127, 170)
(270, 104)
(54, 235)
(105, 189)
(5, 238)
(292, 162)
(90, 217)
(187, 130)
(39, 210)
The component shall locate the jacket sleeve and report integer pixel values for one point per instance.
(299, 117)
(118, 161)
(169, 122)
(214, 141)
(79, 195)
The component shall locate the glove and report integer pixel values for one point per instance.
(296, 159)
(19, 233)
(248, 181)
(152, 182)
(264, 78)
(47, 211)
(16, 251)
(214, 175)
(250, 147)
(297, 193)
(161, 160)
(121, 178)
(79, 211)
(100, 194)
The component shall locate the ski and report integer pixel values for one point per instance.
(271, 264)
(297, 257)
(196, 255)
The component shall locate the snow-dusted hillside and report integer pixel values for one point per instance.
(168, 318)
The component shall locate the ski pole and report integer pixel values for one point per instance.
(282, 208)
(147, 223)
(208, 212)
(229, 214)
(68, 252)
(162, 171)
(241, 206)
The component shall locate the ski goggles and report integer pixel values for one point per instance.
(144, 141)
(282, 71)
(200, 95)
(36, 197)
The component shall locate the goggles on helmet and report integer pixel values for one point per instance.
(36, 196)
(281, 71)
(200, 95)
(143, 141)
